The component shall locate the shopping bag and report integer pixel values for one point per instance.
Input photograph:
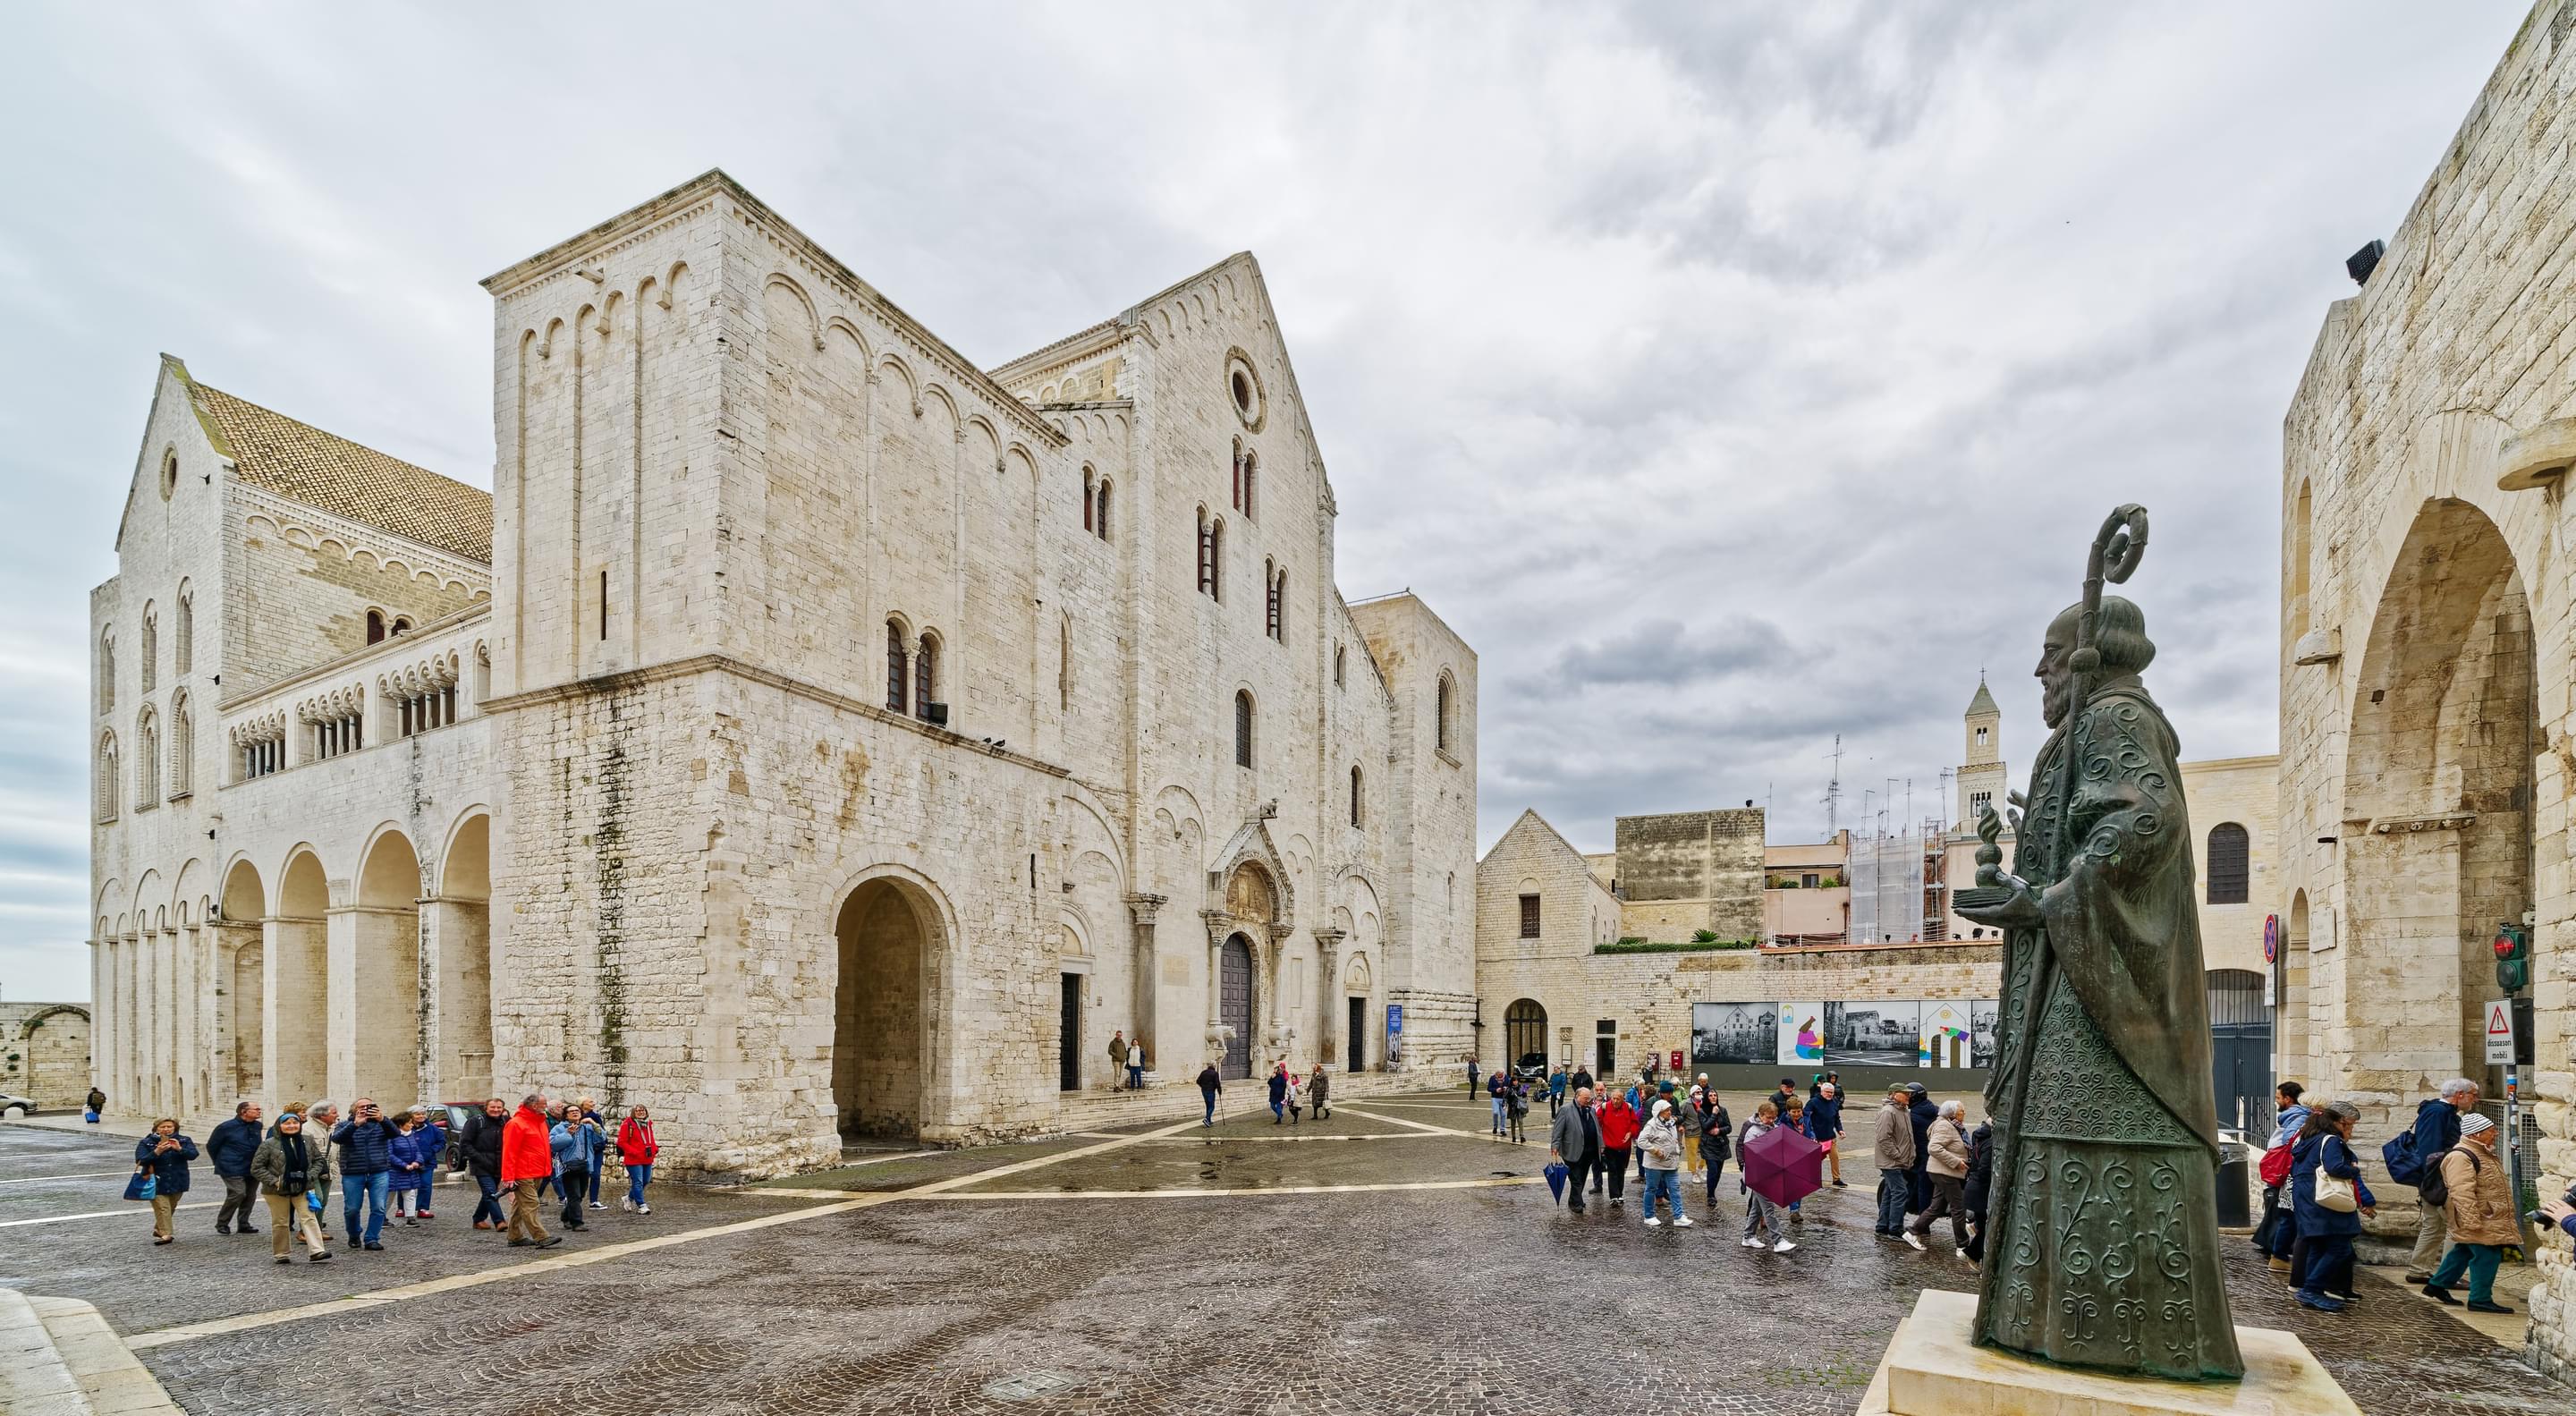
(1556, 1173)
(313, 1200)
(142, 1185)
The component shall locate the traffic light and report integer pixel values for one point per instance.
(2513, 957)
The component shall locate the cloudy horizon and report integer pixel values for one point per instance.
(1729, 378)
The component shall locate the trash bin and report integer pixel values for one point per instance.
(2235, 1182)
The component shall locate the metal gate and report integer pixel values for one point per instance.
(2240, 1051)
(1234, 1008)
(1068, 1042)
(1359, 1038)
(1524, 1032)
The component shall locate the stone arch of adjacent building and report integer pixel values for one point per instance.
(298, 1002)
(456, 959)
(2436, 841)
(891, 931)
(53, 1046)
(378, 994)
(241, 982)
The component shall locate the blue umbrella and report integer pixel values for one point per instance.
(1556, 1179)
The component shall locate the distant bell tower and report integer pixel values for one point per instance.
(1981, 772)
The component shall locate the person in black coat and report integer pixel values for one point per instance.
(230, 1146)
(1716, 1131)
(1981, 1184)
(482, 1147)
(1925, 1111)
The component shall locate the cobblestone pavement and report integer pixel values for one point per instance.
(1066, 1298)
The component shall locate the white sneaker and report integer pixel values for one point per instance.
(625, 1203)
(597, 1205)
(1911, 1242)
(643, 1209)
(1782, 1247)
(1681, 1221)
(1653, 1223)
(1752, 1243)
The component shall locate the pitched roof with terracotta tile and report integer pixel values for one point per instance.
(330, 473)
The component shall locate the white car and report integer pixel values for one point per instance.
(17, 1105)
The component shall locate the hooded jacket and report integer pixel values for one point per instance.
(635, 1142)
(1661, 1140)
(526, 1153)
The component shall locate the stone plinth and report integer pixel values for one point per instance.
(1932, 1368)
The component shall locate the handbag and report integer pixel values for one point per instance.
(142, 1185)
(2334, 1194)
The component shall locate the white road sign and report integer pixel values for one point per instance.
(2500, 1032)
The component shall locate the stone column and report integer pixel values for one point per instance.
(1328, 1025)
(1219, 924)
(456, 997)
(1147, 975)
(340, 1004)
(239, 1061)
(1274, 946)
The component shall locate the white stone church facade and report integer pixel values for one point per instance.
(812, 734)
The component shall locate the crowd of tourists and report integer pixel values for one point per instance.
(387, 1167)
(1291, 1095)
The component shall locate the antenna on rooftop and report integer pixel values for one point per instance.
(1834, 791)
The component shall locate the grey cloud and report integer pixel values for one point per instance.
(1664, 652)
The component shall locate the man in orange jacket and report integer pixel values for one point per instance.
(527, 1156)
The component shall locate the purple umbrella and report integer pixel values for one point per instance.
(1783, 1166)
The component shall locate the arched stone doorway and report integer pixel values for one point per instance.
(460, 928)
(384, 1053)
(1234, 1006)
(880, 1010)
(2290, 996)
(241, 984)
(2437, 842)
(299, 993)
(1524, 1032)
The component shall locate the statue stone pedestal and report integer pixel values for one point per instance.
(1933, 1368)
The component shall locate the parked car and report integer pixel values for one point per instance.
(23, 1105)
(452, 1160)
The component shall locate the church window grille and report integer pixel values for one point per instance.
(1529, 916)
(2229, 866)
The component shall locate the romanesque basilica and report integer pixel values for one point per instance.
(812, 734)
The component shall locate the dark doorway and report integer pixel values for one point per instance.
(1605, 1057)
(2240, 1050)
(1525, 1034)
(1234, 1007)
(1359, 1040)
(1068, 1042)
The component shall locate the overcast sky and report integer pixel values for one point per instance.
(1730, 376)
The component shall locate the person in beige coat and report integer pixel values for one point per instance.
(1892, 1147)
(2479, 1216)
(1945, 1166)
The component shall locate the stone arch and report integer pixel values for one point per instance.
(811, 329)
(53, 1065)
(241, 980)
(459, 929)
(384, 1052)
(890, 933)
(2290, 994)
(2439, 768)
(299, 983)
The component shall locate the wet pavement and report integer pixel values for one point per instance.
(1075, 1293)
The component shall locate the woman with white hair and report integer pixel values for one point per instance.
(1945, 1169)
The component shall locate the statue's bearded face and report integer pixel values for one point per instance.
(2056, 676)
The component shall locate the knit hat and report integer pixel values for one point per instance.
(2473, 1123)
(1662, 1106)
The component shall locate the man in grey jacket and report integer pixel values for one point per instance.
(1892, 1145)
(1575, 1139)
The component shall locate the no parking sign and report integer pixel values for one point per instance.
(2271, 938)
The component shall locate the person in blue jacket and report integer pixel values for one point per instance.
(2325, 1142)
(417, 1147)
(2437, 1130)
(578, 1142)
(366, 1144)
(166, 1154)
(229, 1147)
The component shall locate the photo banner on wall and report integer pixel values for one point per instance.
(1874, 1033)
(1944, 1039)
(1981, 1031)
(1732, 1033)
(1802, 1034)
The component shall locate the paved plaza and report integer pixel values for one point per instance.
(1391, 1259)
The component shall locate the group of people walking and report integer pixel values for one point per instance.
(2314, 1198)
(1931, 1165)
(388, 1165)
(1290, 1094)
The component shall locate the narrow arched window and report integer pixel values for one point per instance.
(1207, 554)
(897, 671)
(1251, 483)
(1242, 728)
(1100, 525)
(183, 745)
(1216, 560)
(925, 676)
(1341, 661)
(2230, 866)
(1355, 796)
(183, 632)
(147, 760)
(375, 626)
(110, 784)
(151, 665)
(1443, 705)
(1064, 664)
(1237, 483)
(1279, 609)
(1270, 582)
(107, 672)
(1089, 488)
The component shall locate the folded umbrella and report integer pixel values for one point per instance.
(1556, 1179)
(1783, 1166)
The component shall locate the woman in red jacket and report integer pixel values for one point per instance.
(527, 1156)
(1618, 1132)
(635, 1149)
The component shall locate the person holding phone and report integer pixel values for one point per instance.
(166, 1154)
(366, 1145)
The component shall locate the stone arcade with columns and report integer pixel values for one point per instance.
(813, 735)
(2426, 712)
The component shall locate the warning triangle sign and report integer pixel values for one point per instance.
(2500, 1032)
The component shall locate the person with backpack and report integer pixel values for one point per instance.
(1518, 1105)
(2418, 1152)
(2477, 1203)
(2277, 1230)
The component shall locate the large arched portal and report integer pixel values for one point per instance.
(1525, 1034)
(241, 984)
(2439, 767)
(461, 924)
(385, 1053)
(1234, 1006)
(299, 993)
(880, 1010)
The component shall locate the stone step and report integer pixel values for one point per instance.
(86, 1368)
(33, 1379)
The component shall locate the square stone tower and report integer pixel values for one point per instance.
(1983, 777)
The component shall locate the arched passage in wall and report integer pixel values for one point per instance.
(1524, 1033)
(2439, 763)
(885, 935)
(52, 1063)
(2290, 996)
(385, 1053)
(299, 994)
(461, 924)
(241, 983)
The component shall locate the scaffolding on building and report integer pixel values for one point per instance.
(1887, 902)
